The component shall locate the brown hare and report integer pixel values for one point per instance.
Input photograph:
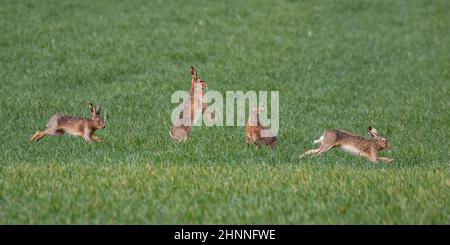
(352, 143)
(196, 101)
(254, 130)
(59, 124)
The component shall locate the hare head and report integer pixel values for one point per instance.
(258, 110)
(253, 119)
(196, 81)
(382, 142)
(95, 116)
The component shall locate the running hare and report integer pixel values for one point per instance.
(352, 143)
(59, 124)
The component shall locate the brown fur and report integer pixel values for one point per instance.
(253, 131)
(356, 144)
(198, 98)
(181, 131)
(59, 124)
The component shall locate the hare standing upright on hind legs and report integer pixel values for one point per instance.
(59, 124)
(192, 110)
(352, 143)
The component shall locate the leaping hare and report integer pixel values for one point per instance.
(254, 130)
(352, 143)
(59, 124)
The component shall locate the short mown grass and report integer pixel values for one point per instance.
(336, 64)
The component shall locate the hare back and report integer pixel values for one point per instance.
(348, 142)
(60, 124)
(59, 119)
(337, 135)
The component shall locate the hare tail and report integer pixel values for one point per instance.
(319, 140)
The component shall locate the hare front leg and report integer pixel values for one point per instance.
(204, 107)
(388, 160)
(211, 116)
(373, 157)
(248, 140)
(87, 135)
(97, 138)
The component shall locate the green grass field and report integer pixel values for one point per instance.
(337, 64)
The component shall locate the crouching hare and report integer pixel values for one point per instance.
(352, 143)
(257, 133)
(59, 124)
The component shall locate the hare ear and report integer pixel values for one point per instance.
(194, 72)
(98, 110)
(105, 115)
(91, 108)
(373, 132)
(262, 108)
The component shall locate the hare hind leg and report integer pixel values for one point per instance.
(310, 152)
(39, 135)
(324, 148)
(35, 136)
